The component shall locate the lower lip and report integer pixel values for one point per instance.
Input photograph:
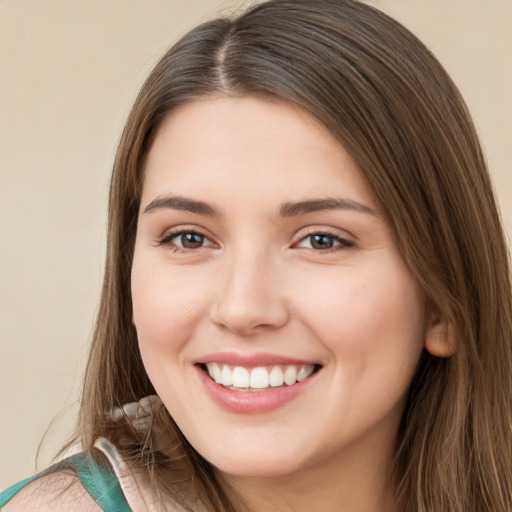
(252, 402)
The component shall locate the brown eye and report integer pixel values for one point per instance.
(190, 240)
(324, 242)
(185, 240)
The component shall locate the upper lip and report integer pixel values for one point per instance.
(253, 360)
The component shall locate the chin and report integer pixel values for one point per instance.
(256, 468)
(273, 460)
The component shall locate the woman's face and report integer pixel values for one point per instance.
(263, 259)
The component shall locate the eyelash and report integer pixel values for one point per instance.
(343, 244)
(166, 240)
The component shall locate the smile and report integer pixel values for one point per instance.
(255, 383)
(240, 378)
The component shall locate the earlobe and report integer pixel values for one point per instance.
(441, 339)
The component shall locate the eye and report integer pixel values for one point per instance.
(185, 240)
(324, 242)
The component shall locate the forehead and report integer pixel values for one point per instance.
(248, 146)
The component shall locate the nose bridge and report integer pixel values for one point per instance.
(249, 299)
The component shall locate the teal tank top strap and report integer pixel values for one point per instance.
(10, 492)
(100, 482)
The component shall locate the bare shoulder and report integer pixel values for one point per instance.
(61, 491)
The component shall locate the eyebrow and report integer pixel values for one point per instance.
(286, 210)
(182, 203)
(315, 205)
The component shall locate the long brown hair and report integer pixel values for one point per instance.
(396, 111)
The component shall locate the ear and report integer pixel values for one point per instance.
(441, 339)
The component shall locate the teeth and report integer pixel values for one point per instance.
(240, 377)
(215, 373)
(276, 377)
(303, 373)
(226, 376)
(290, 375)
(261, 377)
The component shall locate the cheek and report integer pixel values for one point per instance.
(372, 324)
(168, 304)
(362, 316)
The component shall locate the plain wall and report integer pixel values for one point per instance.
(69, 71)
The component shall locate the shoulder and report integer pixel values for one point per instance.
(60, 491)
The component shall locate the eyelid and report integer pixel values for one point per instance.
(164, 240)
(346, 241)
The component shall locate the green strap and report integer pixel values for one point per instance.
(99, 481)
(10, 492)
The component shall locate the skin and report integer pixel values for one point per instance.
(256, 283)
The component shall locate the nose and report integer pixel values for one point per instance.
(251, 298)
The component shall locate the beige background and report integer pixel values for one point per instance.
(69, 71)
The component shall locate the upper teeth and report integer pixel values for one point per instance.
(261, 377)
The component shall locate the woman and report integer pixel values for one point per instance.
(307, 298)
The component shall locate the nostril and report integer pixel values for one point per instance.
(249, 304)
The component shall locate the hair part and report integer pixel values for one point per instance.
(396, 111)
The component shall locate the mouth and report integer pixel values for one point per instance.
(259, 378)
